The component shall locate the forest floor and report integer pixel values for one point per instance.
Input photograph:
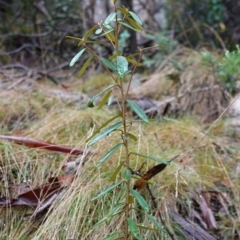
(197, 194)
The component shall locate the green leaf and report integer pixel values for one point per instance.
(104, 133)
(90, 103)
(155, 222)
(110, 100)
(129, 26)
(110, 37)
(89, 32)
(113, 236)
(108, 154)
(140, 200)
(132, 226)
(104, 100)
(77, 57)
(127, 174)
(138, 110)
(134, 62)
(123, 10)
(112, 57)
(122, 65)
(111, 30)
(134, 24)
(135, 17)
(133, 137)
(74, 38)
(108, 27)
(98, 31)
(108, 64)
(103, 125)
(115, 173)
(84, 67)
(133, 55)
(151, 157)
(111, 17)
(79, 43)
(108, 189)
(134, 229)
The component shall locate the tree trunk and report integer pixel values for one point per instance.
(133, 38)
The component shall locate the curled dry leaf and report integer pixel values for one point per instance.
(141, 183)
(32, 143)
(38, 196)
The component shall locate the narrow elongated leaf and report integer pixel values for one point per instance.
(138, 110)
(108, 27)
(77, 57)
(74, 38)
(103, 125)
(105, 132)
(133, 55)
(134, 24)
(134, 62)
(134, 229)
(110, 37)
(123, 10)
(79, 43)
(90, 103)
(135, 17)
(111, 58)
(140, 200)
(108, 154)
(132, 226)
(115, 173)
(108, 64)
(129, 26)
(113, 236)
(111, 17)
(108, 189)
(151, 157)
(84, 67)
(104, 100)
(110, 100)
(155, 222)
(89, 32)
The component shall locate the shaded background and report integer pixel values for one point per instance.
(32, 33)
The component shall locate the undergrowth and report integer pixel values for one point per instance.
(206, 163)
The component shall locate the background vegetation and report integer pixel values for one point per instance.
(185, 86)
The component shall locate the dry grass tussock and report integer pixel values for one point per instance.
(188, 83)
(208, 165)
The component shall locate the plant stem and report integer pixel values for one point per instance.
(125, 142)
